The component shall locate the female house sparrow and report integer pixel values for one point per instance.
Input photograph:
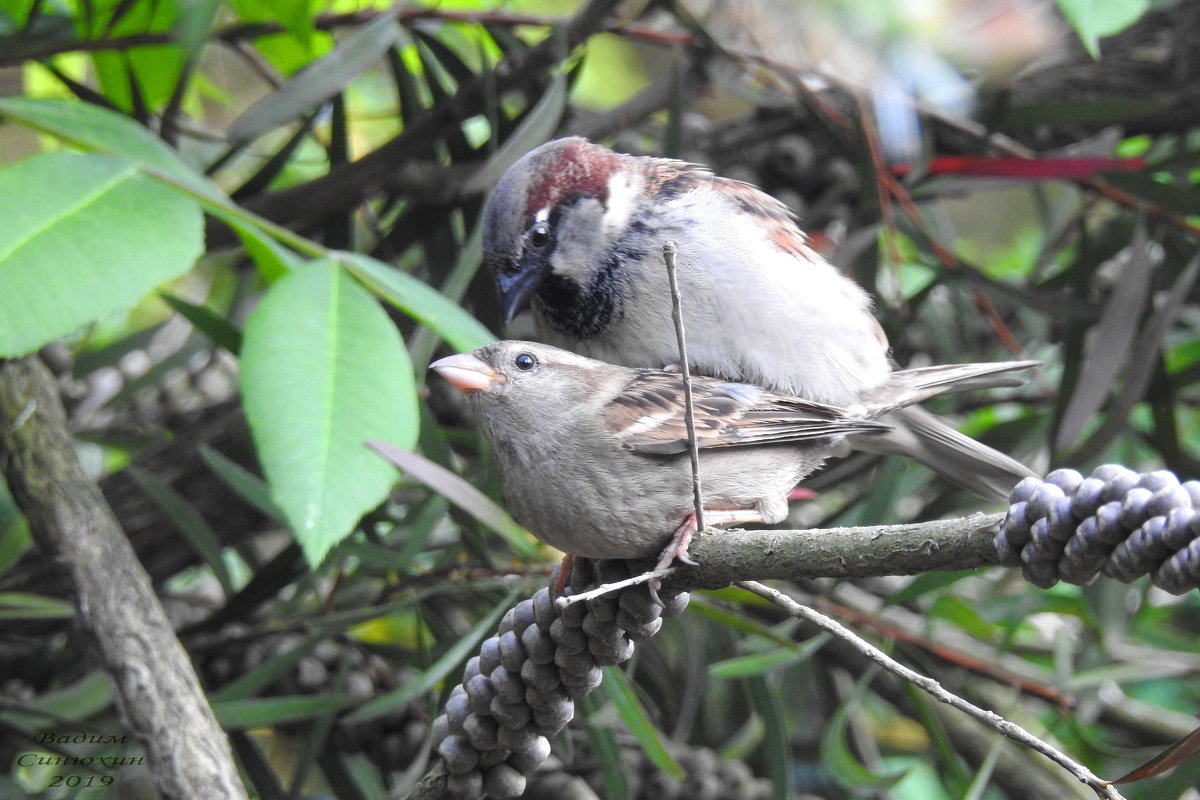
(576, 232)
(593, 456)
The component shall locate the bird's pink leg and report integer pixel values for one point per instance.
(678, 546)
(800, 493)
(564, 575)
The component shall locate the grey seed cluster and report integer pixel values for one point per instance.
(706, 776)
(521, 688)
(1122, 523)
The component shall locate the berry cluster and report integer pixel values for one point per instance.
(522, 686)
(1116, 521)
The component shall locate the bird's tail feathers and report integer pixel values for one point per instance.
(917, 434)
(908, 386)
(923, 437)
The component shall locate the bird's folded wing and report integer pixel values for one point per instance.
(649, 416)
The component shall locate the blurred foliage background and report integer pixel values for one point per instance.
(221, 371)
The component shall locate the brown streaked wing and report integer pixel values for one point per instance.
(648, 416)
(775, 216)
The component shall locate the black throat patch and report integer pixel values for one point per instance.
(584, 311)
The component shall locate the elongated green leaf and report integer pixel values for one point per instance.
(272, 259)
(537, 127)
(606, 751)
(323, 369)
(319, 81)
(459, 492)
(79, 700)
(20, 605)
(187, 519)
(1108, 346)
(436, 672)
(617, 691)
(1110, 111)
(265, 712)
(843, 765)
(964, 615)
(208, 322)
(252, 488)
(929, 582)
(90, 235)
(769, 706)
(420, 301)
(425, 342)
(758, 663)
(193, 25)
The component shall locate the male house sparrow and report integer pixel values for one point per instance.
(593, 456)
(576, 232)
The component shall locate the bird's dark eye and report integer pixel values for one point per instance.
(525, 362)
(539, 236)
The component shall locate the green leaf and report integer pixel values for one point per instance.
(79, 700)
(272, 259)
(420, 301)
(265, 712)
(768, 704)
(187, 519)
(963, 614)
(319, 81)
(459, 492)
(297, 16)
(606, 751)
(1080, 112)
(82, 243)
(930, 581)
(211, 324)
(537, 127)
(617, 691)
(836, 755)
(249, 486)
(436, 672)
(20, 605)
(758, 663)
(194, 24)
(1095, 19)
(470, 256)
(323, 369)
(90, 127)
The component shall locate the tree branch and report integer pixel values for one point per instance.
(729, 556)
(156, 688)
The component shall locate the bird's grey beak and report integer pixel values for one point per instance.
(467, 372)
(517, 288)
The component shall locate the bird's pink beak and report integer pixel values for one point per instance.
(467, 372)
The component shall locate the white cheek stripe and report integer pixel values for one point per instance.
(622, 192)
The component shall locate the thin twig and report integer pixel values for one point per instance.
(990, 718)
(669, 250)
(609, 588)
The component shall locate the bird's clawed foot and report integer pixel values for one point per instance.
(677, 548)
